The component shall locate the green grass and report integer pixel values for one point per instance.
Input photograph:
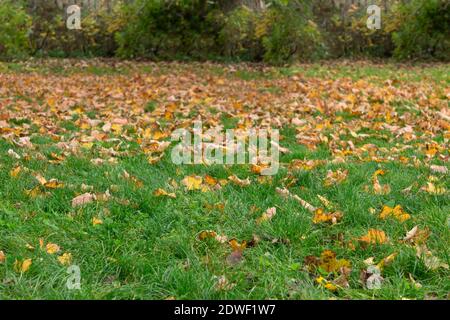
(147, 246)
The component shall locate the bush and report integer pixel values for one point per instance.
(424, 31)
(14, 27)
(170, 29)
(240, 37)
(291, 34)
(50, 35)
(282, 33)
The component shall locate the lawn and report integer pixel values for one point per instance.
(359, 208)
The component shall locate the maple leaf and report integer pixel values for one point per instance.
(397, 212)
(374, 236)
(52, 248)
(65, 259)
(192, 182)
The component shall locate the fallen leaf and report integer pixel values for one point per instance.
(335, 177)
(2, 256)
(268, 215)
(439, 169)
(320, 216)
(397, 212)
(161, 192)
(374, 236)
(22, 266)
(239, 182)
(53, 184)
(192, 182)
(431, 262)
(83, 199)
(52, 248)
(65, 259)
(96, 221)
(15, 172)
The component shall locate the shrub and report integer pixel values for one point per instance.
(291, 33)
(282, 33)
(170, 29)
(424, 30)
(14, 27)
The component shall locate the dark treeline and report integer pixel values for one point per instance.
(274, 31)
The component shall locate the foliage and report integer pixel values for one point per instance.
(14, 28)
(424, 31)
(273, 31)
(169, 29)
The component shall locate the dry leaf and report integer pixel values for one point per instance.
(439, 169)
(65, 259)
(161, 192)
(52, 248)
(83, 199)
(335, 177)
(15, 172)
(374, 236)
(193, 182)
(239, 182)
(22, 266)
(96, 221)
(268, 215)
(397, 212)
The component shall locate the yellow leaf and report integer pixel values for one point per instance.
(161, 192)
(52, 248)
(96, 221)
(211, 180)
(374, 236)
(65, 259)
(207, 234)
(397, 212)
(15, 172)
(192, 182)
(23, 266)
(53, 184)
(329, 263)
(326, 284)
(236, 246)
(321, 216)
(2, 257)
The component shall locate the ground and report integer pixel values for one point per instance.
(358, 210)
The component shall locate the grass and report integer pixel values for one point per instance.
(148, 247)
